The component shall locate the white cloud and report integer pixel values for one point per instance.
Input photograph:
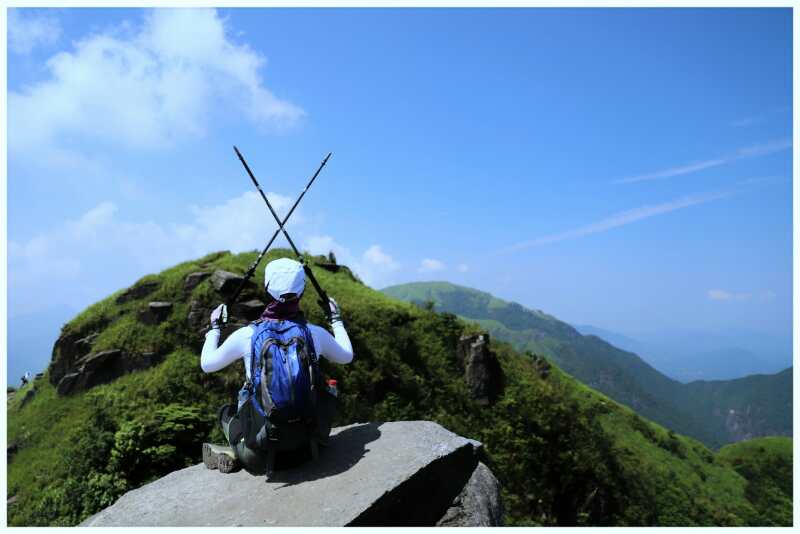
(241, 223)
(743, 122)
(323, 244)
(154, 87)
(29, 28)
(374, 255)
(374, 266)
(747, 121)
(85, 258)
(746, 152)
(429, 265)
(102, 247)
(91, 221)
(622, 219)
(723, 295)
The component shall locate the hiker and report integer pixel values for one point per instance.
(253, 430)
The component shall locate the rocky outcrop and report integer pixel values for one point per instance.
(250, 310)
(103, 367)
(193, 280)
(155, 313)
(11, 450)
(391, 474)
(478, 505)
(542, 366)
(28, 396)
(138, 291)
(69, 348)
(482, 370)
(740, 424)
(198, 315)
(226, 282)
(328, 266)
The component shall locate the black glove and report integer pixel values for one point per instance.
(219, 316)
(335, 314)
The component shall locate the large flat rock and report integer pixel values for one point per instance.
(399, 473)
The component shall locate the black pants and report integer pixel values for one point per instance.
(255, 460)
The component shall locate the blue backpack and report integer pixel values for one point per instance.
(284, 371)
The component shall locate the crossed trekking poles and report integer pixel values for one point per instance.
(323, 297)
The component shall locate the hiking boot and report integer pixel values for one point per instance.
(219, 457)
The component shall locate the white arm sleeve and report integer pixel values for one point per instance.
(213, 358)
(236, 346)
(336, 349)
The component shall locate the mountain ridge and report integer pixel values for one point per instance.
(717, 357)
(619, 373)
(564, 453)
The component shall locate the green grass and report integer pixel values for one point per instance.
(766, 464)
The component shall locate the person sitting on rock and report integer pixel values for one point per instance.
(284, 281)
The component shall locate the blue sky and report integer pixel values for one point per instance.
(629, 169)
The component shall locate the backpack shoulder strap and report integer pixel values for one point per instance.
(255, 363)
(309, 339)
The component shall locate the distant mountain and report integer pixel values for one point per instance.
(715, 412)
(745, 408)
(688, 355)
(618, 340)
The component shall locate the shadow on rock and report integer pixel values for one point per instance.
(343, 451)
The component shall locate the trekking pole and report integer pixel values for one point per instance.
(252, 269)
(323, 297)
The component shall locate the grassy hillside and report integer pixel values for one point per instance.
(766, 463)
(564, 453)
(761, 405)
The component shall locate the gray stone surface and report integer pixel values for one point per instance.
(138, 291)
(198, 316)
(193, 280)
(479, 503)
(482, 370)
(226, 282)
(29, 395)
(160, 308)
(11, 450)
(542, 366)
(103, 367)
(68, 348)
(400, 473)
(155, 313)
(250, 310)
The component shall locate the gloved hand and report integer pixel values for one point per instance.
(336, 314)
(219, 316)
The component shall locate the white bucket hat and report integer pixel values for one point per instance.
(284, 276)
